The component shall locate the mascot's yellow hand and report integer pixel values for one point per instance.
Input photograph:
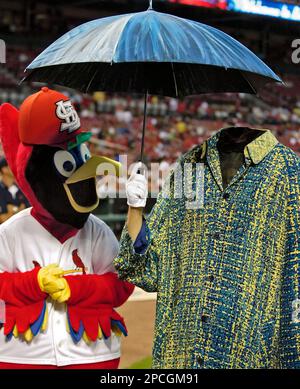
(47, 274)
(51, 281)
(62, 292)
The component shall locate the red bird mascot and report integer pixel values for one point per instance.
(57, 281)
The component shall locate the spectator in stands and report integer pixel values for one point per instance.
(12, 200)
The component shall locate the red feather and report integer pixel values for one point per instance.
(9, 133)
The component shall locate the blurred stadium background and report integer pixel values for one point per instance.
(269, 28)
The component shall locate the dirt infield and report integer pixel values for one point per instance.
(139, 317)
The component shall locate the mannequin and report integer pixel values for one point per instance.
(226, 273)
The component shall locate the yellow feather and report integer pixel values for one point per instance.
(15, 331)
(116, 330)
(28, 335)
(86, 338)
(67, 326)
(45, 321)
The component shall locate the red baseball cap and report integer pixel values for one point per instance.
(48, 118)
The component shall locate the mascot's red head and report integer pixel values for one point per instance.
(44, 146)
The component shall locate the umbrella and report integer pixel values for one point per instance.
(151, 53)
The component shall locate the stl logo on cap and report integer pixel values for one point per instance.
(48, 118)
(66, 112)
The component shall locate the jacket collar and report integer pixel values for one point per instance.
(258, 149)
(254, 152)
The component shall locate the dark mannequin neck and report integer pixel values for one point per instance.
(231, 144)
(236, 138)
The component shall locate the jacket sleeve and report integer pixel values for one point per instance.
(142, 269)
(290, 295)
(23, 300)
(142, 240)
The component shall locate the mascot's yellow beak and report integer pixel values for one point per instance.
(96, 165)
(89, 169)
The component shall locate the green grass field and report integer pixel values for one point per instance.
(142, 364)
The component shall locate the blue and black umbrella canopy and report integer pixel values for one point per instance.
(150, 52)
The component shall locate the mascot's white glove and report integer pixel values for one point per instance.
(137, 188)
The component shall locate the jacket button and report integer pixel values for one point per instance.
(216, 235)
(204, 318)
(226, 196)
(200, 360)
(211, 278)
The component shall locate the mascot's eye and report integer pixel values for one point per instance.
(68, 166)
(84, 152)
(65, 163)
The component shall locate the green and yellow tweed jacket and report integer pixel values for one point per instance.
(227, 269)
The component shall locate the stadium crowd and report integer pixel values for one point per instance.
(174, 126)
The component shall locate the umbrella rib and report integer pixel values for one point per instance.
(91, 80)
(175, 82)
(248, 82)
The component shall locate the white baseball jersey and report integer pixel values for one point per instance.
(23, 240)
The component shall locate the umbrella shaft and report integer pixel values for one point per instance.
(144, 126)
